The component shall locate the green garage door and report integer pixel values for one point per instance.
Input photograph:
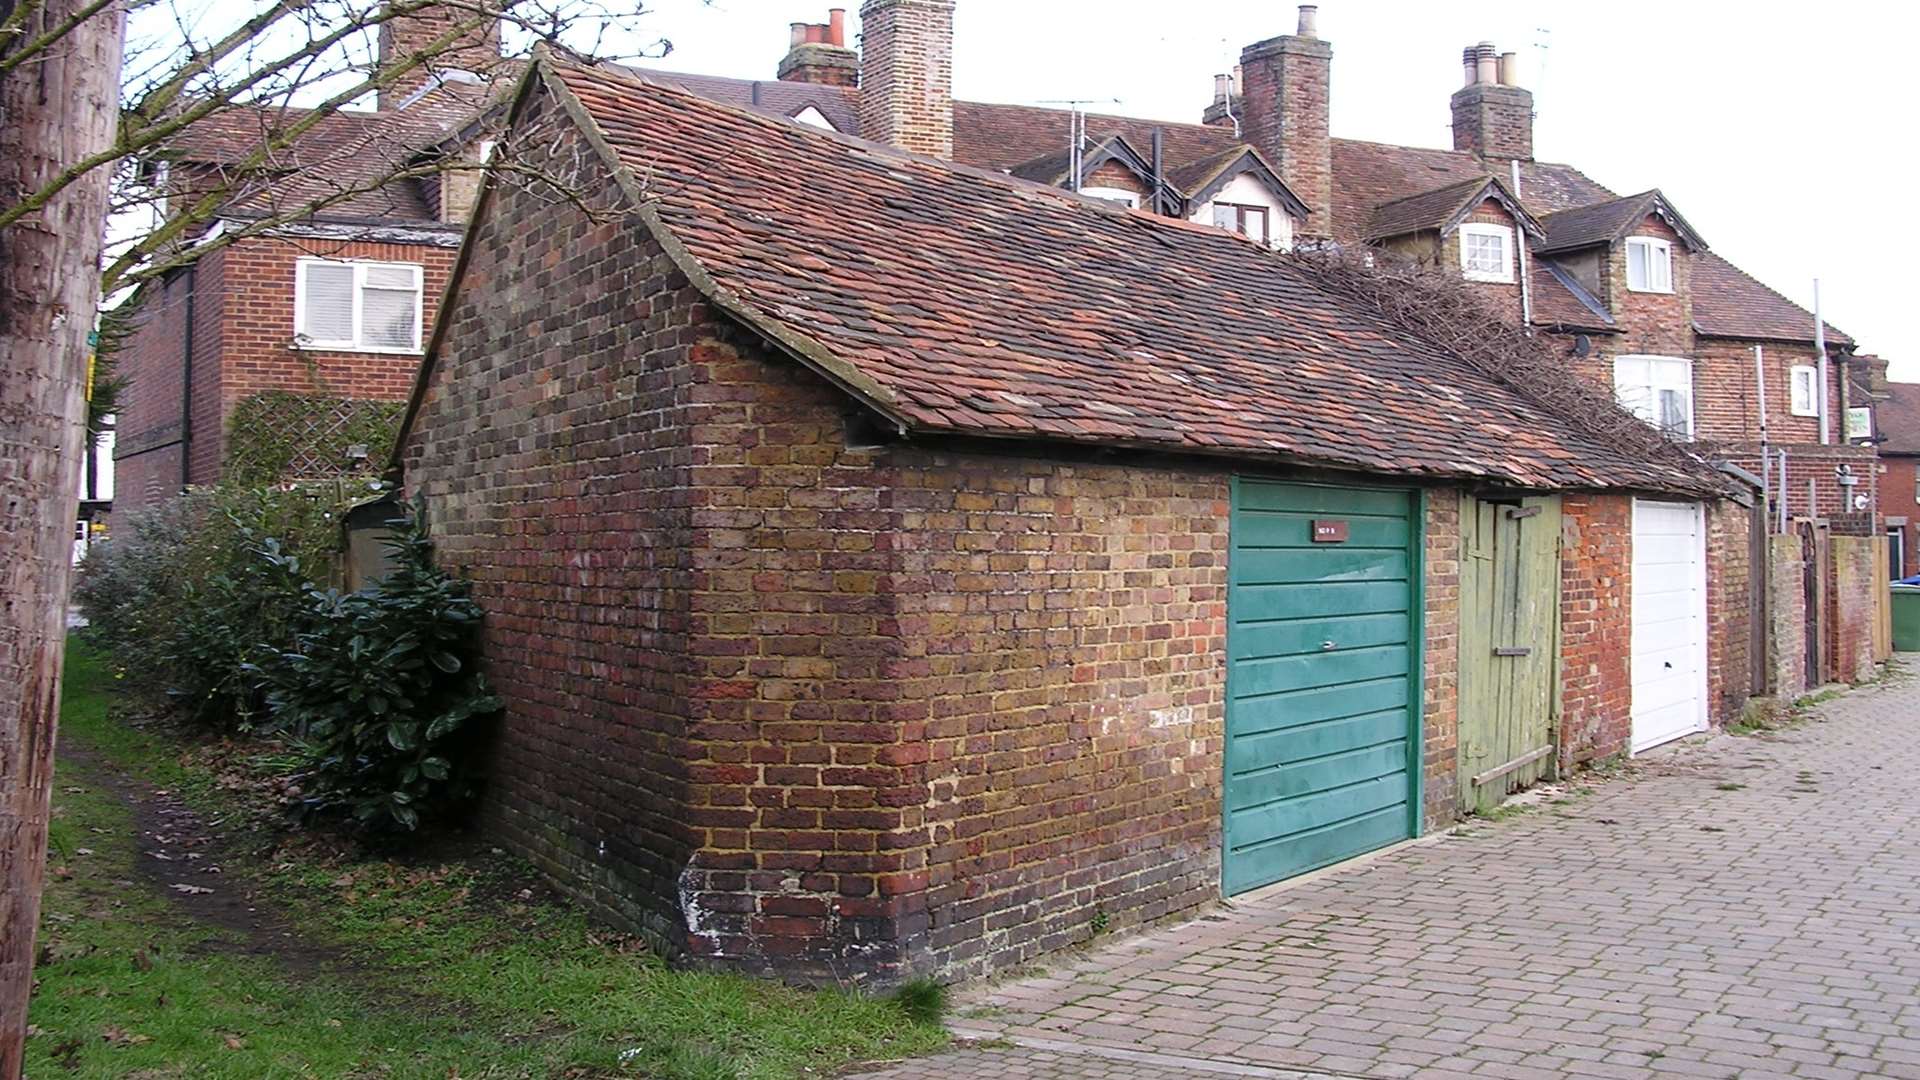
(1321, 656)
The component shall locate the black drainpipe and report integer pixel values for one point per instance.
(186, 383)
(1160, 197)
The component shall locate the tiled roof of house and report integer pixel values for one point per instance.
(1607, 222)
(1366, 174)
(1023, 311)
(839, 104)
(345, 160)
(1898, 419)
(1729, 302)
(1444, 207)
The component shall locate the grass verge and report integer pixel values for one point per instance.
(427, 968)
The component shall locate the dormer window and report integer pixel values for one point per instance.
(1486, 252)
(1249, 221)
(1649, 264)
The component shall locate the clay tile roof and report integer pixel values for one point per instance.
(1898, 419)
(1561, 302)
(1366, 174)
(958, 300)
(347, 170)
(1729, 302)
(1443, 207)
(839, 104)
(1003, 136)
(1606, 222)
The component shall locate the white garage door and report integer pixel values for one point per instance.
(1669, 622)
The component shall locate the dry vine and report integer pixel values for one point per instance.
(1444, 309)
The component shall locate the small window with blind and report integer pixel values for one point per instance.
(361, 306)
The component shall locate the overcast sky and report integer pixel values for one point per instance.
(1785, 133)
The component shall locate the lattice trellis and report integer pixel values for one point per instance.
(278, 437)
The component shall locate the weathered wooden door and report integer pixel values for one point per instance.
(1509, 645)
(1323, 685)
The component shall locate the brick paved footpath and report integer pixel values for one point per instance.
(1730, 907)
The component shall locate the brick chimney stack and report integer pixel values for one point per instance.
(1284, 100)
(1492, 117)
(819, 53)
(476, 51)
(906, 74)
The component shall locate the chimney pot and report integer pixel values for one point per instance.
(1509, 69)
(798, 35)
(837, 26)
(1309, 20)
(1222, 86)
(1469, 60)
(1486, 64)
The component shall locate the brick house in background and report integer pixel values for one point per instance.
(862, 615)
(1896, 424)
(312, 329)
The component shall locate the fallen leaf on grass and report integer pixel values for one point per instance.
(141, 961)
(83, 851)
(192, 890)
(235, 1042)
(123, 1037)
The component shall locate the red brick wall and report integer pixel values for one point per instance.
(1787, 618)
(1596, 627)
(244, 319)
(1899, 499)
(1729, 610)
(1857, 577)
(1440, 728)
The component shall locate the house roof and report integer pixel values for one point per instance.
(1610, 221)
(1443, 208)
(345, 160)
(1729, 302)
(1024, 311)
(1367, 174)
(1897, 419)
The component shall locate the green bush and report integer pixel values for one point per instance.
(383, 687)
(184, 603)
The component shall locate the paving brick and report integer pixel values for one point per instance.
(1606, 935)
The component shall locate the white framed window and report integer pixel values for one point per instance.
(1249, 221)
(1122, 196)
(1803, 392)
(358, 306)
(1649, 264)
(1657, 389)
(1486, 252)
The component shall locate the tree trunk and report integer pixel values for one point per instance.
(54, 109)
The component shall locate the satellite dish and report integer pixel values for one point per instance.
(1582, 345)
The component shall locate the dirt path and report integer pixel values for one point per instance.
(189, 860)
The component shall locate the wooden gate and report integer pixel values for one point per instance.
(1509, 645)
(1813, 581)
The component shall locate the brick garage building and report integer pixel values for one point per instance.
(869, 610)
